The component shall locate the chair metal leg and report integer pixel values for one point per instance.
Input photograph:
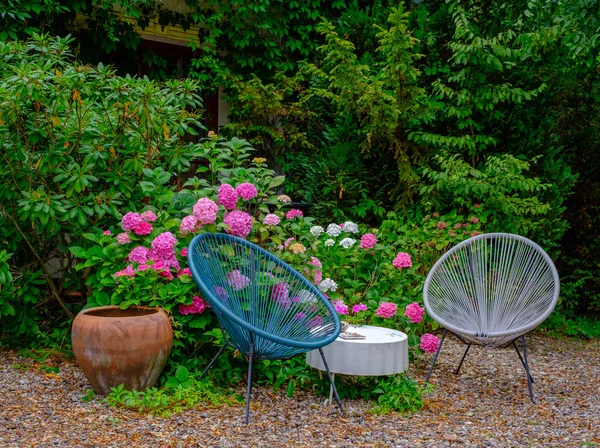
(331, 381)
(436, 355)
(521, 358)
(250, 359)
(213, 360)
(526, 365)
(457, 371)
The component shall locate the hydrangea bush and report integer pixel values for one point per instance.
(375, 276)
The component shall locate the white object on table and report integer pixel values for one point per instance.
(383, 352)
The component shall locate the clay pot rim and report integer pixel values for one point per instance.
(156, 309)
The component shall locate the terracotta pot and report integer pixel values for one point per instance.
(114, 346)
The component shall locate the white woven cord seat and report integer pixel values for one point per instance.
(490, 290)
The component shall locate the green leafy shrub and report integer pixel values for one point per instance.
(80, 144)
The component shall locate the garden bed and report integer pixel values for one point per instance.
(487, 405)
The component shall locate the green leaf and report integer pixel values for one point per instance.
(182, 374)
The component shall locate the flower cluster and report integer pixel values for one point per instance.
(205, 210)
(414, 313)
(198, 306)
(402, 260)
(240, 223)
(293, 213)
(387, 310)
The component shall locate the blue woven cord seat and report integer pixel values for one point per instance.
(266, 309)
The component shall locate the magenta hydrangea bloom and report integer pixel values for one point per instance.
(317, 277)
(139, 255)
(415, 313)
(246, 190)
(143, 228)
(221, 292)
(123, 238)
(206, 211)
(291, 214)
(387, 310)
(188, 224)
(227, 197)
(402, 260)
(184, 252)
(198, 306)
(148, 216)
(368, 241)
(358, 308)
(163, 250)
(429, 343)
(271, 220)
(288, 242)
(130, 220)
(240, 223)
(127, 272)
(441, 225)
(299, 315)
(280, 293)
(340, 307)
(162, 270)
(237, 280)
(106, 232)
(184, 271)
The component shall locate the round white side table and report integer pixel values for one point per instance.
(382, 352)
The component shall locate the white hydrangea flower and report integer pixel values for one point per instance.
(316, 230)
(333, 230)
(327, 285)
(329, 242)
(306, 296)
(347, 242)
(350, 227)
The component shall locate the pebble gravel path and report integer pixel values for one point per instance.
(487, 405)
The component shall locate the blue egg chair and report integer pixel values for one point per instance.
(266, 309)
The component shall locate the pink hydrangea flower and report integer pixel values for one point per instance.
(429, 343)
(414, 313)
(299, 315)
(139, 255)
(246, 190)
(184, 252)
(291, 214)
(240, 223)
(143, 228)
(280, 293)
(387, 310)
(288, 241)
(130, 220)
(148, 216)
(474, 219)
(106, 232)
(123, 238)
(127, 272)
(402, 260)
(441, 225)
(316, 321)
(188, 224)
(227, 196)
(271, 220)
(315, 262)
(206, 211)
(358, 308)
(221, 293)
(317, 277)
(198, 306)
(163, 250)
(162, 270)
(368, 241)
(340, 307)
(237, 280)
(184, 271)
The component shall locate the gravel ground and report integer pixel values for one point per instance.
(486, 406)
